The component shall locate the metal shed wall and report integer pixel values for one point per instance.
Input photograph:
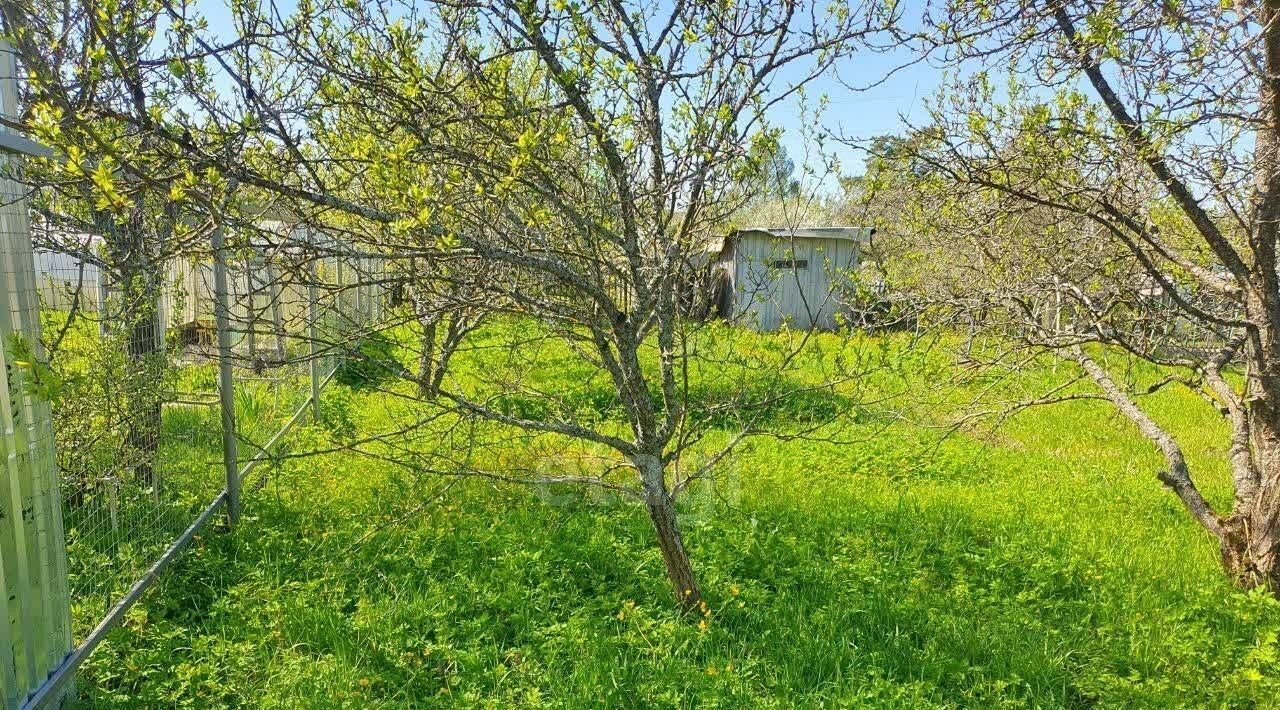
(769, 294)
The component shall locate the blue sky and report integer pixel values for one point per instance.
(857, 115)
(861, 114)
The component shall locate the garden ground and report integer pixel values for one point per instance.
(1043, 568)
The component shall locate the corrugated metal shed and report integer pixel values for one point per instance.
(789, 277)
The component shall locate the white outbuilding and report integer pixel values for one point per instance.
(770, 278)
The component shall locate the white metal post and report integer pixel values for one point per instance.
(313, 314)
(103, 294)
(222, 311)
(338, 291)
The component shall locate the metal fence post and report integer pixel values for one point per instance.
(226, 395)
(313, 314)
(250, 310)
(338, 290)
(103, 295)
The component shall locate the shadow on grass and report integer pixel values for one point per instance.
(761, 403)
(495, 597)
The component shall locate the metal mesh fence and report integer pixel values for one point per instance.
(134, 347)
(164, 370)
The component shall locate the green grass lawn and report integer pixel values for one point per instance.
(117, 522)
(1045, 568)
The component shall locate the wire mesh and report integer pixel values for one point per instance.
(136, 459)
(132, 339)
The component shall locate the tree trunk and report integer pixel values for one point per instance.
(143, 435)
(1250, 537)
(274, 289)
(140, 318)
(1251, 556)
(662, 513)
(427, 358)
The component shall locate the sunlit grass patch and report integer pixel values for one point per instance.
(889, 568)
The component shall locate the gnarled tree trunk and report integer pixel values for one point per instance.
(427, 383)
(143, 435)
(139, 303)
(1250, 536)
(662, 513)
(1251, 552)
